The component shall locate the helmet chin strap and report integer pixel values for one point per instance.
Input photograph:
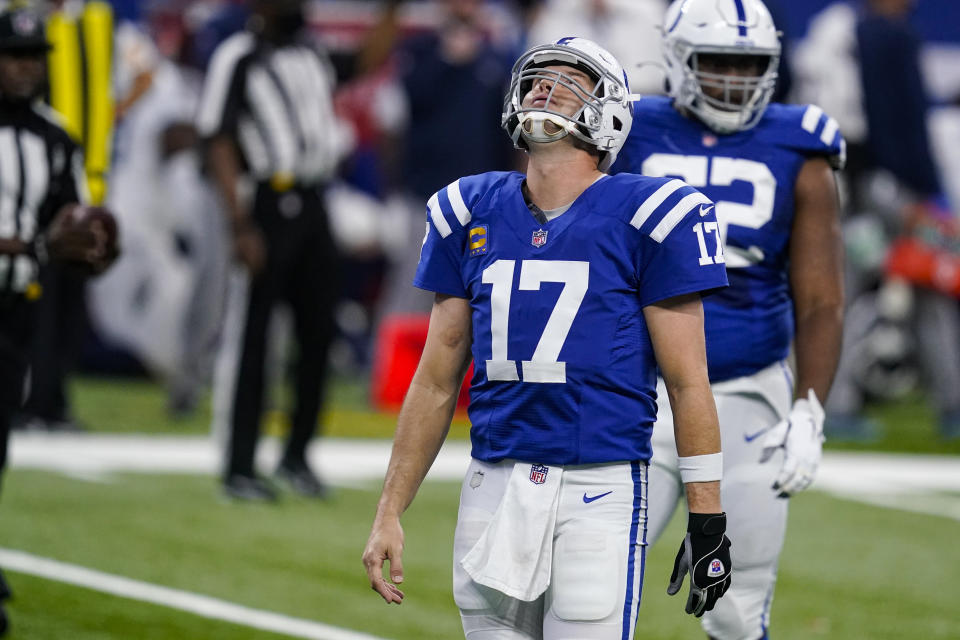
(533, 129)
(723, 122)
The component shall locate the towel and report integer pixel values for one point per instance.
(515, 553)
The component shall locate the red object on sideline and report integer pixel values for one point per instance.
(399, 343)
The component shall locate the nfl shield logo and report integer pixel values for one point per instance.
(716, 568)
(539, 238)
(538, 473)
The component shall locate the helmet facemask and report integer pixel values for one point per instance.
(730, 102)
(547, 122)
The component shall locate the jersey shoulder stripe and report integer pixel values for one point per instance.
(813, 118)
(436, 215)
(664, 203)
(817, 133)
(676, 214)
(451, 208)
(650, 204)
(460, 208)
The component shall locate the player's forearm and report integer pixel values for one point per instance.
(695, 419)
(703, 497)
(10, 247)
(819, 335)
(225, 169)
(697, 432)
(421, 429)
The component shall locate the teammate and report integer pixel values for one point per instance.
(567, 287)
(769, 169)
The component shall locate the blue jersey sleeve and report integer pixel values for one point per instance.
(446, 239)
(681, 247)
(806, 129)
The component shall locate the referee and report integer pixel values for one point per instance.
(41, 175)
(266, 114)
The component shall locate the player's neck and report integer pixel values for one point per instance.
(556, 177)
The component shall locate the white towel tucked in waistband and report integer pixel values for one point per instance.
(515, 552)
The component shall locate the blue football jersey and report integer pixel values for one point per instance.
(750, 175)
(564, 370)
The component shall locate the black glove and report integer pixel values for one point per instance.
(705, 555)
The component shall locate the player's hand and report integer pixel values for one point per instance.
(385, 544)
(705, 555)
(801, 438)
(82, 236)
(65, 240)
(105, 251)
(249, 247)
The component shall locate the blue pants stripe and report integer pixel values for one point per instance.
(639, 472)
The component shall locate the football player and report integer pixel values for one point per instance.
(567, 287)
(769, 168)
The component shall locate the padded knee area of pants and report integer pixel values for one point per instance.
(586, 577)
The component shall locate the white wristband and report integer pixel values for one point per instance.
(706, 468)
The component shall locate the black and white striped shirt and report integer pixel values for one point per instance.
(41, 170)
(276, 103)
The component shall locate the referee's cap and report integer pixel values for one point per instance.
(22, 31)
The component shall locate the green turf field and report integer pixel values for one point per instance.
(849, 571)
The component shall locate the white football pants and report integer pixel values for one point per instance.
(599, 547)
(756, 517)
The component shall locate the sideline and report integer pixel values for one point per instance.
(913, 483)
(197, 604)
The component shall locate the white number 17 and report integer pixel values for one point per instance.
(701, 229)
(543, 366)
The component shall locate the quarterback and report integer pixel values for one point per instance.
(769, 170)
(567, 288)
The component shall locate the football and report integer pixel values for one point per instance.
(80, 229)
(98, 219)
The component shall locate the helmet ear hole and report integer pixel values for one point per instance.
(617, 125)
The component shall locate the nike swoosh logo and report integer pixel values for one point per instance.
(705, 209)
(750, 437)
(588, 499)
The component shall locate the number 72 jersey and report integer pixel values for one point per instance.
(750, 175)
(564, 370)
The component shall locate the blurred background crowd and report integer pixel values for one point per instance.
(417, 95)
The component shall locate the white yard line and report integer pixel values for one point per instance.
(197, 604)
(890, 480)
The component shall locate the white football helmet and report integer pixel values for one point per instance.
(606, 115)
(693, 28)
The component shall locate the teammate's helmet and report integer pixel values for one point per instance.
(603, 120)
(697, 28)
